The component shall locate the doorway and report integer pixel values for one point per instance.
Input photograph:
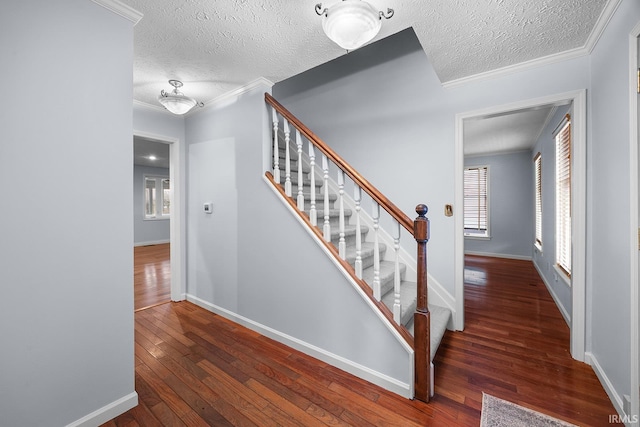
(578, 205)
(177, 234)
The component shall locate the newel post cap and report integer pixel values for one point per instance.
(421, 224)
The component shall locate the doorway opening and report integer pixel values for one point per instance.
(577, 290)
(160, 253)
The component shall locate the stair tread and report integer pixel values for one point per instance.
(439, 319)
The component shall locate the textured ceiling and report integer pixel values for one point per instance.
(216, 46)
(511, 131)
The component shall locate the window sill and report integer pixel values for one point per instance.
(537, 247)
(561, 276)
(159, 218)
(472, 237)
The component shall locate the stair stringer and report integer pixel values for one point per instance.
(437, 294)
(403, 389)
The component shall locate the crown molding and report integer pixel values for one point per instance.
(152, 107)
(121, 9)
(215, 102)
(226, 97)
(522, 66)
(592, 40)
(601, 25)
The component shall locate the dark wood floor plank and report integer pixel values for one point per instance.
(194, 367)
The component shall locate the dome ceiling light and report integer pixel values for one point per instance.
(175, 101)
(351, 23)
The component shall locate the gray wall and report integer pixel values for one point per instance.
(544, 260)
(66, 264)
(608, 212)
(383, 109)
(511, 212)
(253, 259)
(147, 231)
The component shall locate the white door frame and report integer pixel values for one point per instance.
(633, 234)
(578, 192)
(177, 234)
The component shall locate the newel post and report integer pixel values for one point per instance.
(422, 317)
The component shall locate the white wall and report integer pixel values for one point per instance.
(66, 264)
(511, 212)
(147, 232)
(252, 261)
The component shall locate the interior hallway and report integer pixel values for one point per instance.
(196, 368)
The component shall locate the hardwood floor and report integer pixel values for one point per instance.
(196, 368)
(151, 275)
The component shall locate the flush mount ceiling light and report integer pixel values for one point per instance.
(351, 23)
(175, 101)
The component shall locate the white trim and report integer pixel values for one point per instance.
(217, 102)
(152, 242)
(561, 307)
(152, 107)
(231, 96)
(615, 398)
(108, 412)
(378, 378)
(586, 49)
(634, 159)
(121, 9)
(177, 226)
(601, 24)
(579, 100)
(506, 256)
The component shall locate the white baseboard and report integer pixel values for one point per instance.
(108, 412)
(563, 310)
(153, 242)
(382, 380)
(615, 398)
(507, 256)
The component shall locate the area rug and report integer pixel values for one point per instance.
(500, 413)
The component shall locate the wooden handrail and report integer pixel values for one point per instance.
(372, 191)
(419, 229)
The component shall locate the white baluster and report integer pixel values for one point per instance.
(377, 291)
(357, 196)
(397, 307)
(287, 157)
(276, 154)
(313, 216)
(342, 246)
(326, 229)
(300, 173)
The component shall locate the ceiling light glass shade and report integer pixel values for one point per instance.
(175, 101)
(351, 23)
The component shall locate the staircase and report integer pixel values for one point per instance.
(372, 260)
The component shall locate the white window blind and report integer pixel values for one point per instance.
(476, 206)
(563, 196)
(537, 168)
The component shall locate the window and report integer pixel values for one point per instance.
(157, 197)
(476, 201)
(537, 170)
(563, 196)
